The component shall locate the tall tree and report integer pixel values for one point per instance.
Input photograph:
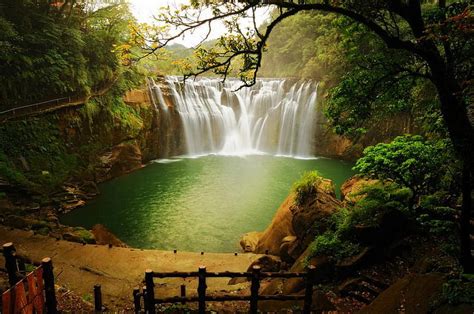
(438, 35)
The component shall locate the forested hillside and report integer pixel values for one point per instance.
(49, 51)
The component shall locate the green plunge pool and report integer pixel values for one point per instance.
(198, 204)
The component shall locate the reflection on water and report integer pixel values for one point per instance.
(201, 204)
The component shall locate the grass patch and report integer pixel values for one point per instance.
(305, 186)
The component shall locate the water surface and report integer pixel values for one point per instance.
(198, 204)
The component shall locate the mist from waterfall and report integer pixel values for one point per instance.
(274, 116)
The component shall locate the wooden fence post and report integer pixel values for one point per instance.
(50, 293)
(308, 295)
(150, 291)
(202, 289)
(136, 300)
(97, 299)
(145, 302)
(9, 253)
(254, 289)
(183, 292)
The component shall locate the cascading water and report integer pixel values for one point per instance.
(265, 118)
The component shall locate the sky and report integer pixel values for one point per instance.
(144, 10)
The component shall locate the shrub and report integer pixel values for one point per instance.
(410, 161)
(457, 291)
(435, 217)
(305, 186)
(332, 244)
(378, 199)
(339, 242)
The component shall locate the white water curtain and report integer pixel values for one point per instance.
(274, 116)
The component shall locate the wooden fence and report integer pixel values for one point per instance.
(150, 300)
(29, 292)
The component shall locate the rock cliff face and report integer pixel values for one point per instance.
(115, 144)
(329, 144)
(294, 227)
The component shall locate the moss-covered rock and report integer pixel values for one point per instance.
(79, 235)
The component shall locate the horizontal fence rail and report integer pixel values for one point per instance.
(54, 104)
(150, 301)
(39, 107)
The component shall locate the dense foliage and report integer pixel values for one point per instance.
(38, 155)
(375, 204)
(49, 50)
(420, 165)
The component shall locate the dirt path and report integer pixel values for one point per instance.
(78, 267)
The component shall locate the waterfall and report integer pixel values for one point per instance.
(274, 116)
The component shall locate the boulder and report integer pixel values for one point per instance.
(267, 263)
(122, 159)
(286, 244)
(280, 227)
(71, 237)
(294, 227)
(249, 241)
(79, 235)
(104, 237)
(312, 217)
(324, 271)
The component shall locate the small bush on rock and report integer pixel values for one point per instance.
(332, 244)
(305, 186)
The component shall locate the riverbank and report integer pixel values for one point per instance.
(118, 270)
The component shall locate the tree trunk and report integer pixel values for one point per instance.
(456, 119)
(465, 231)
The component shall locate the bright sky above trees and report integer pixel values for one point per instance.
(144, 10)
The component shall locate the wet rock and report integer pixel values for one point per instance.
(90, 188)
(52, 218)
(104, 237)
(72, 204)
(122, 159)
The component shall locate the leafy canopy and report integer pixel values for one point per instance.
(410, 161)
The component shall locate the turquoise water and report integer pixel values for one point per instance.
(200, 204)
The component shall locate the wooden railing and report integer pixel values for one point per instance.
(150, 300)
(29, 292)
(39, 107)
(53, 104)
